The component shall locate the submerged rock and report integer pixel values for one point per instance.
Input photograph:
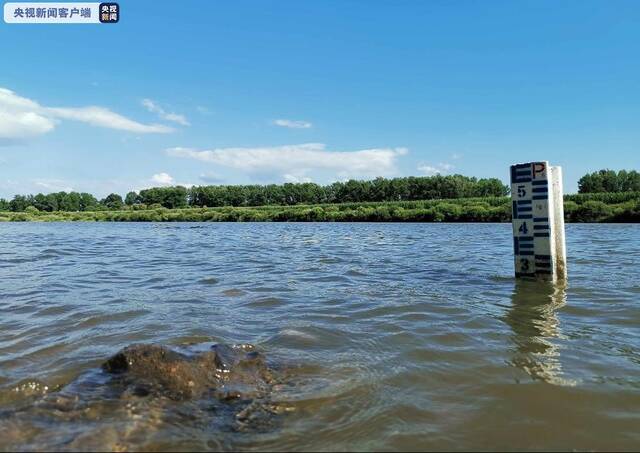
(157, 370)
(147, 395)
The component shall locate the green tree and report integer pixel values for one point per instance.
(19, 203)
(593, 211)
(112, 201)
(169, 197)
(69, 201)
(87, 202)
(610, 181)
(132, 198)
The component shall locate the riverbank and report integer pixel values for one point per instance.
(621, 208)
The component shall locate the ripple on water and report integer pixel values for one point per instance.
(391, 338)
(122, 318)
(266, 302)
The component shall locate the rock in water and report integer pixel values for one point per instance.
(147, 395)
(157, 370)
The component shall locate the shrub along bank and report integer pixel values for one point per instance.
(598, 207)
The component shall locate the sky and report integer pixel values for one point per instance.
(238, 92)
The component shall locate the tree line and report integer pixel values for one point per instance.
(599, 207)
(610, 181)
(288, 194)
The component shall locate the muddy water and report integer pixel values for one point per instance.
(384, 336)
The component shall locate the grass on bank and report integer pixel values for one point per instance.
(598, 207)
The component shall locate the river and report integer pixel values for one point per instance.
(394, 336)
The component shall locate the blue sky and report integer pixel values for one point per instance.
(197, 92)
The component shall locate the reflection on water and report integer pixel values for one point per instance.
(536, 327)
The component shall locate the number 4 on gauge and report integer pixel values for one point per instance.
(523, 228)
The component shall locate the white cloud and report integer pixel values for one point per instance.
(164, 179)
(431, 170)
(296, 178)
(293, 124)
(23, 124)
(153, 107)
(428, 170)
(53, 185)
(456, 156)
(10, 187)
(23, 118)
(99, 116)
(295, 160)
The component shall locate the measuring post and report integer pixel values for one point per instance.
(538, 221)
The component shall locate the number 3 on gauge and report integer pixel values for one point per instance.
(524, 264)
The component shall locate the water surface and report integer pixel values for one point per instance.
(395, 336)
